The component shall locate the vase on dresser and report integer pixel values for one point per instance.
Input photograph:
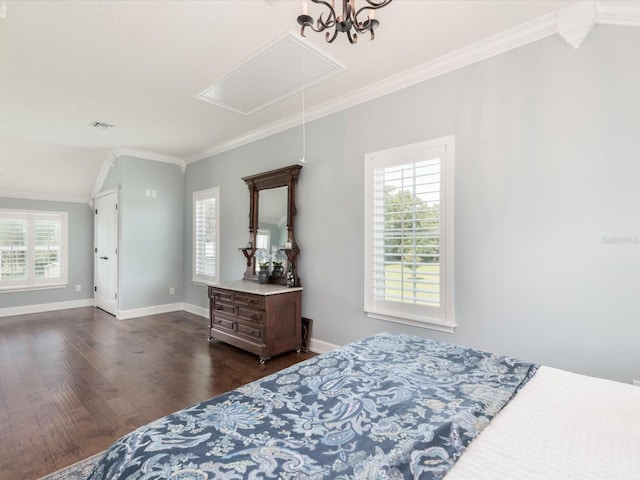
(263, 276)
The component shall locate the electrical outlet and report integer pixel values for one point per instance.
(147, 192)
(78, 288)
(637, 383)
(172, 291)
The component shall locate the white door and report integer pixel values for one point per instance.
(106, 252)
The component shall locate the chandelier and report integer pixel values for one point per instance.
(343, 23)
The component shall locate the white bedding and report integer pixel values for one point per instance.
(560, 426)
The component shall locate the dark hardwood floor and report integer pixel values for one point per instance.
(73, 381)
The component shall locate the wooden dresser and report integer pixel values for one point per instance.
(261, 319)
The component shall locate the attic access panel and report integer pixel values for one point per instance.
(269, 76)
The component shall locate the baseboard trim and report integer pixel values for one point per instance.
(145, 311)
(45, 307)
(196, 310)
(318, 346)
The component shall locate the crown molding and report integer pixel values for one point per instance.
(625, 13)
(576, 21)
(109, 161)
(147, 155)
(113, 155)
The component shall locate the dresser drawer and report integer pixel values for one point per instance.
(248, 300)
(250, 331)
(227, 308)
(222, 323)
(224, 295)
(252, 316)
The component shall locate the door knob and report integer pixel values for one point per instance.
(104, 258)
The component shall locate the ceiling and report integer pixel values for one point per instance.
(138, 65)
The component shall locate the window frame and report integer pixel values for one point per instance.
(199, 195)
(31, 282)
(441, 318)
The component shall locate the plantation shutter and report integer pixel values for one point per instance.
(33, 249)
(47, 247)
(206, 247)
(406, 260)
(13, 249)
(408, 251)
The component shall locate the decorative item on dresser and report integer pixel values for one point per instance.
(263, 313)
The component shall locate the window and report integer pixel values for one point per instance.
(263, 239)
(409, 234)
(206, 232)
(33, 249)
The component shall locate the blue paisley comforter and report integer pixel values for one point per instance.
(386, 407)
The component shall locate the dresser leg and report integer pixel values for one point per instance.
(263, 360)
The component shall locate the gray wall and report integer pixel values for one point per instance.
(151, 232)
(546, 173)
(80, 255)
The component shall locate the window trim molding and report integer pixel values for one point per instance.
(447, 309)
(213, 192)
(32, 283)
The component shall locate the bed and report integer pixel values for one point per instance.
(395, 406)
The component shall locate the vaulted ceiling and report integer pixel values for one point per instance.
(138, 65)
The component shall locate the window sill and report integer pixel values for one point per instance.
(32, 288)
(430, 324)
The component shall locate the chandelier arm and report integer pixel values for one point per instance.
(366, 29)
(353, 39)
(372, 5)
(376, 4)
(322, 24)
(331, 15)
(330, 38)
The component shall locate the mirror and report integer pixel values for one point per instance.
(272, 210)
(272, 219)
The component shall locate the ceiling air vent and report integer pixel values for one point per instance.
(102, 125)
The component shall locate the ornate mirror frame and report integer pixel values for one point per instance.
(281, 177)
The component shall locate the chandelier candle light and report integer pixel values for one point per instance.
(345, 22)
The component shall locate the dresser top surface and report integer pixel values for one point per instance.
(255, 288)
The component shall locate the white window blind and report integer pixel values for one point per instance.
(13, 249)
(206, 249)
(33, 249)
(409, 235)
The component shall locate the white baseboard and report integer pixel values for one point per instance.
(318, 346)
(45, 307)
(144, 311)
(196, 310)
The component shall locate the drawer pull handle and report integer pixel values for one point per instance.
(252, 301)
(254, 317)
(219, 307)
